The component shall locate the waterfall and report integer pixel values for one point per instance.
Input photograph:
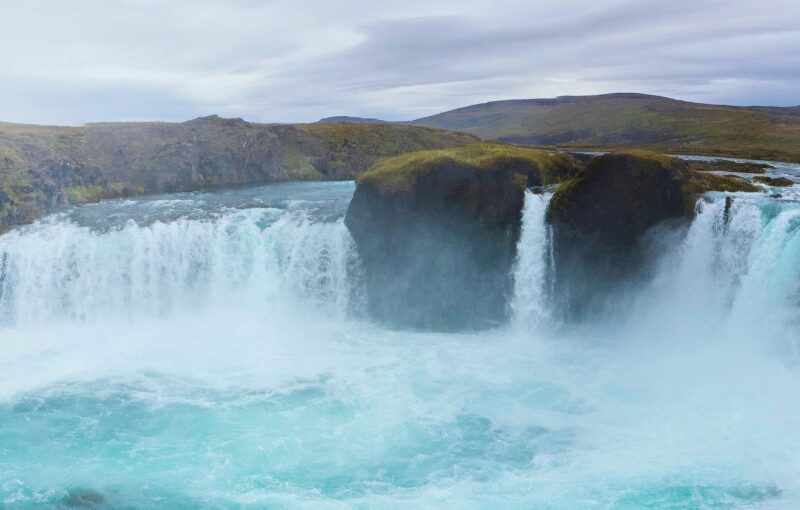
(734, 275)
(258, 258)
(192, 352)
(740, 268)
(533, 267)
(736, 266)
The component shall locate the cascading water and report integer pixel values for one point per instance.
(534, 265)
(738, 268)
(206, 351)
(253, 258)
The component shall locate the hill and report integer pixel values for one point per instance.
(633, 121)
(43, 168)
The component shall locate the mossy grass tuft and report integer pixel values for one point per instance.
(398, 174)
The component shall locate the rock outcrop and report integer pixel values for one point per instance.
(43, 168)
(722, 165)
(84, 498)
(602, 216)
(773, 181)
(436, 231)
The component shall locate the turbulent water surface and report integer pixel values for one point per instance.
(209, 350)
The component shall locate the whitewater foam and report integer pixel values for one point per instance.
(254, 258)
(213, 360)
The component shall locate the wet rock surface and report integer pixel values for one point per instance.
(437, 233)
(601, 219)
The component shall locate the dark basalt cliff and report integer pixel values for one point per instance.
(602, 216)
(43, 168)
(436, 231)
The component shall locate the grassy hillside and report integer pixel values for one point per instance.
(43, 168)
(633, 120)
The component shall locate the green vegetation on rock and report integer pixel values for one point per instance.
(719, 165)
(300, 168)
(83, 194)
(631, 182)
(458, 210)
(703, 182)
(773, 181)
(538, 165)
(602, 216)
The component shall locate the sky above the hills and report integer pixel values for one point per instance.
(76, 61)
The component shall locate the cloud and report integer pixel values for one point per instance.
(275, 60)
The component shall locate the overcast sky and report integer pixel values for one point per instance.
(75, 61)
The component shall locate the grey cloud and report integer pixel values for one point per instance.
(276, 61)
(47, 103)
(431, 50)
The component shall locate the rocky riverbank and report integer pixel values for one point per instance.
(43, 168)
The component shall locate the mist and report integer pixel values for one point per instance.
(231, 345)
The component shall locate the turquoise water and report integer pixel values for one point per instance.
(208, 350)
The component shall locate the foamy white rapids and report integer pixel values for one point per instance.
(58, 270)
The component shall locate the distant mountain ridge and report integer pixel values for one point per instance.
(626, 120)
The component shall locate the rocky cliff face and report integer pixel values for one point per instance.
(44, 168)
(602, 216)
(436, 232)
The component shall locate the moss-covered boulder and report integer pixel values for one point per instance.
(773, 181)
(436, 231)
(723, 165)
(602, 216)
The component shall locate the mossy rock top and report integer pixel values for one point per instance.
(720, 165)
(458, 210)
(601, 220)
(622, 194)
(639, 170)
(398, 174)
(701, 182)
(631, 172)
(773, 181)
